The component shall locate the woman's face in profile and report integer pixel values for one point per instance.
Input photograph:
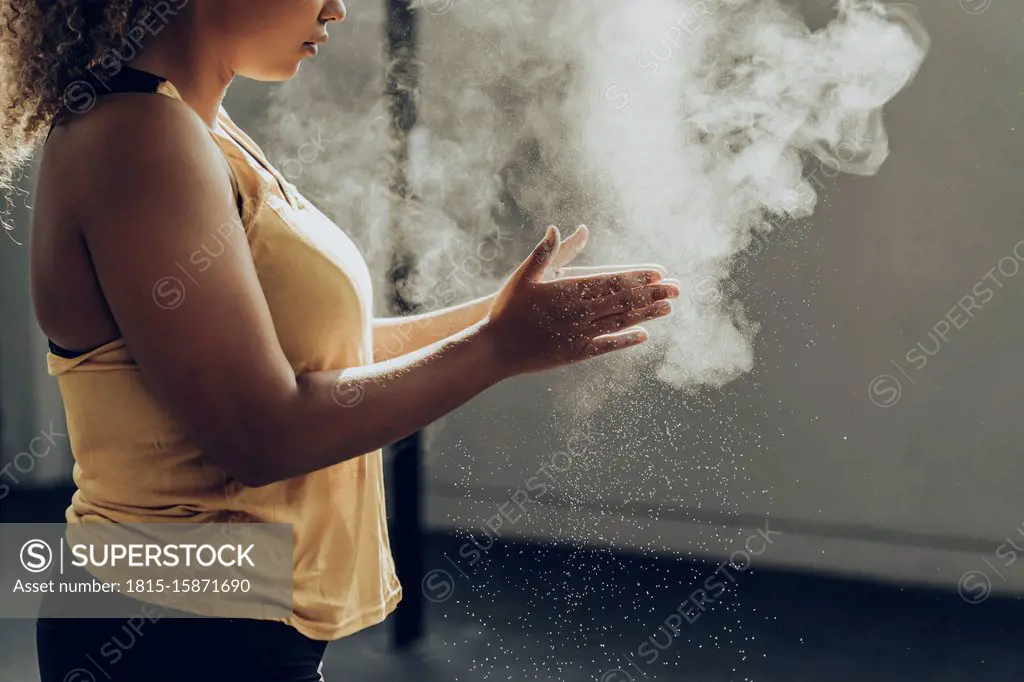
(268, 39)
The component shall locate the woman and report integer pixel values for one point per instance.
(212, 332)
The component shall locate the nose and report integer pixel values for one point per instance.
(334, 10)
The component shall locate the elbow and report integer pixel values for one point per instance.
(262, 464)
(254, 475)
(248, 461)
(247, 467)
(246, 439)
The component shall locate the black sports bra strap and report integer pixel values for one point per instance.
(130, 79)
(80, 96)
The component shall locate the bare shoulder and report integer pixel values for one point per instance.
(140, 150)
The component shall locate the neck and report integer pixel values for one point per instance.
(181, 52)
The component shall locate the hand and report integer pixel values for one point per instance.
(536, 325)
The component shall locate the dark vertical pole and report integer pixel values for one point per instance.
(406, 461)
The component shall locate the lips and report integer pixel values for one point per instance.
(311, 46)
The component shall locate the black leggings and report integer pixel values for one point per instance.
(175, 650)
(167, 649)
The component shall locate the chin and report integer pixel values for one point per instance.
(276, 74)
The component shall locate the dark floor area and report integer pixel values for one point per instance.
(560, 613)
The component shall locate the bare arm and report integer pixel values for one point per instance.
(395, 336)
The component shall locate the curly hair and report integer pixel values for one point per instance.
(45, 48)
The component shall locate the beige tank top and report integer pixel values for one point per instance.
(134, 464)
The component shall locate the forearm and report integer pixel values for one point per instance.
(334, 416)
(395, 336)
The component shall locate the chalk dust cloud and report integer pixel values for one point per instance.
(677, 130)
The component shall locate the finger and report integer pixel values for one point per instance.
(594, 286)
(571, 247)
(638, 297)
(537, 262)
(612, 323)
(613, 342)
(610, 269)
(567, 251)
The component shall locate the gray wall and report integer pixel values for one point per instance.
(30, 403)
